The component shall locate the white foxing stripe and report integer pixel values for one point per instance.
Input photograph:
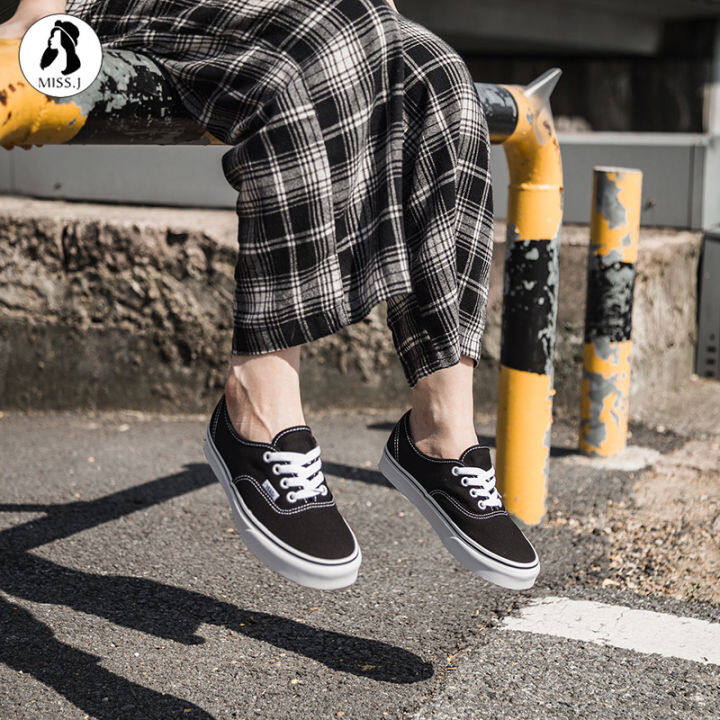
(640, 630)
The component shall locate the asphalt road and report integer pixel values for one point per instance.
(124, 592)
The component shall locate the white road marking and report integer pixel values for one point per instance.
(640, 630)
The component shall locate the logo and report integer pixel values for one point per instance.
(270, 490)
(60, 55)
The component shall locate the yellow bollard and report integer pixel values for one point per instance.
(614, 234)
(530, 302)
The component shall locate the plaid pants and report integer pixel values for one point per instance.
(360, 158)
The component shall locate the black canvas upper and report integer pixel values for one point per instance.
(493, 529)
(314, 525)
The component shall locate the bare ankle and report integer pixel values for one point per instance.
(244, 416)
(441, 420)
(441, 437)
(262, 393)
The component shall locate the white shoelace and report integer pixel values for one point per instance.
(302, 471)
(481, 483)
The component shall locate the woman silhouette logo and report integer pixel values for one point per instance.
(60, 55)
(61, 52)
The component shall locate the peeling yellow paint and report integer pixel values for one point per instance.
(605, 390)
(27, 117)
(523, 442)
(535, 210)
(604, 403)
(535, 205)
(211, 139)
(618, 240)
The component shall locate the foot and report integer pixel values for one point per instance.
(283, 508)
(459, 499)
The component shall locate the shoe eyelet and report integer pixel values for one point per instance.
(291, 497)
(283, 484)
(324, 490)
(266, 456)
(275, 469)
(473, 492)
(453, 470)
(481, 504)
(463, 481)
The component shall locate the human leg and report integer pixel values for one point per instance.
(437, 328)
(441, 421)
(299, 160)
(263, 393)
(432, 455)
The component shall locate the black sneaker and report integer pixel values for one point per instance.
(283, 508)
(460, 501)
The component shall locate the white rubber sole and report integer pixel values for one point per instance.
(512, 576)
(320, 575)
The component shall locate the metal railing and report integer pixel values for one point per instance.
(130, 102)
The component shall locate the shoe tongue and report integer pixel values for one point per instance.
(477, 456)
(298, 439)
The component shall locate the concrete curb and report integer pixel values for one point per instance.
(110, 306)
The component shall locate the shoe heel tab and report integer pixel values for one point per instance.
(404, 424)
(220, 408)
(396, 435)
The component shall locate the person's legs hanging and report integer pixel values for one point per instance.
(313, 170)
(438, 327)
(288, 284)
(289, 291)
(447, 210)
(432, 455)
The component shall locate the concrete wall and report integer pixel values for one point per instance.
(680, 185)
(107, 306)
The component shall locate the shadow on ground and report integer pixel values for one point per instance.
(155, 608)
(487, 440)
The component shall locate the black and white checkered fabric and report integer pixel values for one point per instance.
(360, 157)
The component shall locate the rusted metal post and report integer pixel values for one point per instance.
(534, 221)
(614, 233)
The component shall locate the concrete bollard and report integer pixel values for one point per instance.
(614, 234)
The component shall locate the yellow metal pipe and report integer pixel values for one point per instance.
(130, 101)
(614, 239)
(530, 303)
(28, 117)
(534, 219)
